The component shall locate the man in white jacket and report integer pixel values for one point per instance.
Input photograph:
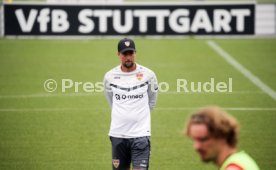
(131, 91)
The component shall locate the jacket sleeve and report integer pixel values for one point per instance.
(108, 92)
(152, 91)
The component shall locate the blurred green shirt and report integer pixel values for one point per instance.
(239, 161)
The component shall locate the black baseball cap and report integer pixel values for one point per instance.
(126, 44)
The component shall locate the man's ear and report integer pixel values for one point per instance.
(118, 54)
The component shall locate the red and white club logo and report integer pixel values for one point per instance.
(139, 76)
(116, 163)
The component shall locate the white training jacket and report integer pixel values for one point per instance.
(131, 95)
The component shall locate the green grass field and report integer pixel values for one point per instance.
(41, 130)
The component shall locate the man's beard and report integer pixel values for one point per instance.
(128, 64)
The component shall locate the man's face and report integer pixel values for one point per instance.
(127, 58)
(203, 143)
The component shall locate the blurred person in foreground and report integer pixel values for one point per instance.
(214, 134)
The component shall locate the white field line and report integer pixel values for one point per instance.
(254, 79)
(42, 95)
(106, 109)
(43, 109)
(234, 92)
(225, 108)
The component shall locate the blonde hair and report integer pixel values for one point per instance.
(219, 123)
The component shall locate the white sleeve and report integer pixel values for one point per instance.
(108, 92)
(152, 91)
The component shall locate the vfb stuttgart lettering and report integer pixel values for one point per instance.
(123, 96)
(134, 21)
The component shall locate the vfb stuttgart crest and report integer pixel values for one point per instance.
(139, 76)
(127, 43)
(116, 163)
